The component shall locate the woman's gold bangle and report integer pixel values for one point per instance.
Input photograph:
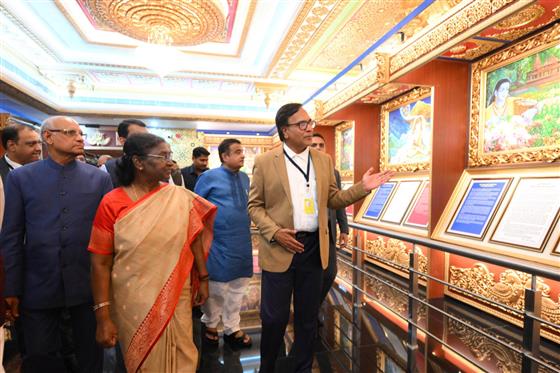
(101, 305)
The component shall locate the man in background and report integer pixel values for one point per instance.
(335, 216)
(22, 145)
(103, 159)
(230, 262)
(199, 165)
(126, 128)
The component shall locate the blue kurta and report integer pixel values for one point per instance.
(231, 253)
(47, 223)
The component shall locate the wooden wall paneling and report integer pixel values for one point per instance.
(366, 138)
(328, 134)
(450, 80)
(450, 126)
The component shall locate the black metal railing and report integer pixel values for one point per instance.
(531, 343)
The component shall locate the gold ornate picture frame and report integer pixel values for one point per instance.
(517, 122)
(406, 131)
(344, 150)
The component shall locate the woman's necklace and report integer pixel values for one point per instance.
(133, 188)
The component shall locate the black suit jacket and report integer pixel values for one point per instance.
(337, 215)
(5, 168)
(111, 167)
(190, 177)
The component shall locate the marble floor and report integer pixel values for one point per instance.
(375, 344)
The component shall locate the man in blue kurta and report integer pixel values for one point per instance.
(50, 206)
(230, 262)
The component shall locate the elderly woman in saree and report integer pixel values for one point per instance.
(148, 247)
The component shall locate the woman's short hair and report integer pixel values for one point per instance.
(138, 145)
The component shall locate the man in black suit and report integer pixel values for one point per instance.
(126, 128)
(199, 165)
(22, 145)
(335, 216)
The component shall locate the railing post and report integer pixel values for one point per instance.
(357, 296)
(531, 328)
(412, 343)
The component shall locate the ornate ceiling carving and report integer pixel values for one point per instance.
(386, 93)
(173, 22)
(312, 20)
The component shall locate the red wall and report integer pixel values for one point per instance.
(450, 128)
(450, 138)
(366, 137)
(328, 134)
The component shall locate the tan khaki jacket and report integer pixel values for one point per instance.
(270, 204)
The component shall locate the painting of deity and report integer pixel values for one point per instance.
(344, 140)
(406, 132)
(515, 109)
(523, 103)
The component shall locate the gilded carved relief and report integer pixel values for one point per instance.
(386, 93)
(472, 49)
(509, 290)
(452, 27)
(396, 252)
(377, 76)
(484, 349)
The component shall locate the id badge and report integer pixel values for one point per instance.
(309, 204)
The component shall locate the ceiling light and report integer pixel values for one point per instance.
(158, 54)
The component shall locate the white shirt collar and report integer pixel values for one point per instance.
(12, 164)
(292, 154)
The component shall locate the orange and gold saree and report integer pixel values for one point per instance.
(151, 242)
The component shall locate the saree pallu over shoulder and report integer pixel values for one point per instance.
(153, 260)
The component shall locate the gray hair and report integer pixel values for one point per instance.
(47, 124)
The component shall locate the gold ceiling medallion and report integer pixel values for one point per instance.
(177, 22)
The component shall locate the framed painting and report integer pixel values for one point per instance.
(251, 153)
(515, 110)
(406, 131)
(344, 152)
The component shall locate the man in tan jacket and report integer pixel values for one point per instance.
(292, 189)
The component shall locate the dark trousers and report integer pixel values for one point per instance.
(329, 274)
(42, 334)
(304, 280)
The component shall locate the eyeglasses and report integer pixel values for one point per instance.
(304, 124)
(318, 145)
(67, 132)
(167, 157)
